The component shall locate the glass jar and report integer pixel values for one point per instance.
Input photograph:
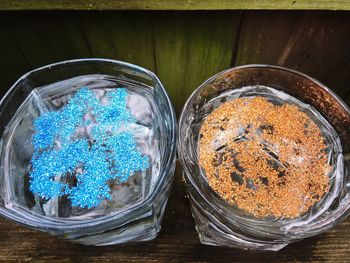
(218, 222)
(136, 207)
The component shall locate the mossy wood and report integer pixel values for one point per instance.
(174, 5)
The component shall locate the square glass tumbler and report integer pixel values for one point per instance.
(222, 224)
(135, 208)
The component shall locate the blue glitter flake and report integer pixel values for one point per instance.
(105, 153)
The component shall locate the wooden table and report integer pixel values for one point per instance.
(176, 242)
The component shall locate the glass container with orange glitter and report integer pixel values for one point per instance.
(264, 155)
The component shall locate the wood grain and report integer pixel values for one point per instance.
(177, 242)
(191, 47)
(315, 43)
(12, 63)
(44, 38)
(174, 5)
(182, 48)
(123, 36)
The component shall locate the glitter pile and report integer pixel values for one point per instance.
(89, 140)
(266, 159)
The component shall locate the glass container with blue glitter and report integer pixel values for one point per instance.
(88, 152)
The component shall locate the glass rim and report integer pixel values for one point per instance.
(194, 93)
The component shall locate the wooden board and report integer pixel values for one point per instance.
(123, 36)
(177, 242)
(182, 48)
(174, 5)
(191, 47)
(315, 43)
(46, 38)
(13, 63)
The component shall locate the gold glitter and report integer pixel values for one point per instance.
(266, 159)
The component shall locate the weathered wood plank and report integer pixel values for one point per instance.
(177, 242)
(174, 5)
(182, 49)
(125, 36)
(46, 38)
(13, 63)
(190, 47)
(316, 43)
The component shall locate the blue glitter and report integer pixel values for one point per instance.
(108, 152)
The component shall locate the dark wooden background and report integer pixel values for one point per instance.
(183, 49)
